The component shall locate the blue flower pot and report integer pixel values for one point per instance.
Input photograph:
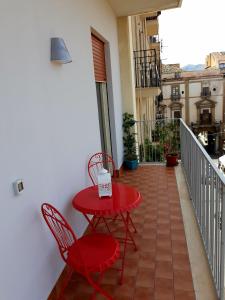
(131, 164)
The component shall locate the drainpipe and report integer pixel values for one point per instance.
(187, 103)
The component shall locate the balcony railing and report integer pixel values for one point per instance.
(207, 192)
(153, 39)
(156, 138)
(175, 97)
(205, 93)
(147, 68)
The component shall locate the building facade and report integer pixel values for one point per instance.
(215, 60)
(147, 65)
(139, 37)
(197, 98)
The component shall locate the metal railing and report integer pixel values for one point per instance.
(175, 97)
(205, 93)
(207, 191)
(147, 68)
(156, 138)
(153, 39)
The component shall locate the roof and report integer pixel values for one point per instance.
(207, 73)
(171, 68)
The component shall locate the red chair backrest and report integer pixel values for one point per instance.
(97, 162)
(59, 227)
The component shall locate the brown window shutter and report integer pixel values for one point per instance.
(98, 49)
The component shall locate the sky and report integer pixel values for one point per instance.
(191, 32)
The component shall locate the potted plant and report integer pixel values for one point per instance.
(171, 145)
(171, 159)
(130, 155)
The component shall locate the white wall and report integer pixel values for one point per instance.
(216, 88)
(195, 89)
(182, 89)
(166, 91)
(218, 108)
(48, 128)
(193, 109)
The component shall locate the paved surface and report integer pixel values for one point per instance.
(160, 269)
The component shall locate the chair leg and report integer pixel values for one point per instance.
(106, 224)
(95, 292)
(97, 288)
(95, 223)
(65, 283)
(132, 224)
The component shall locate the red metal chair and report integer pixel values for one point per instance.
(96, 163)
(93, 253)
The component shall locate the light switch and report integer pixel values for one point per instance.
(18, 186)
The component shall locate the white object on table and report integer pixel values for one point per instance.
(104, 183)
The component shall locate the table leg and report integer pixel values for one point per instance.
(93, 225)
(90, 222)
(128, 235)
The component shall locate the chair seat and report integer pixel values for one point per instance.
(98, 250)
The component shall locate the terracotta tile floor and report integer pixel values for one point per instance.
(160, 269)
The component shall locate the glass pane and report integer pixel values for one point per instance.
(104, 122)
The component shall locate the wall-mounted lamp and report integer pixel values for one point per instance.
(59, 52)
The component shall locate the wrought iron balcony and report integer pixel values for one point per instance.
(205, 93)
(159, 116)
(147, 68)
(175, 97)
(153, 39)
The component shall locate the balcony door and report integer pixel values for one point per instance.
(98, 48)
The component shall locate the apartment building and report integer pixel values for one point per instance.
(198, 98)
(146, 49)
(215, 60)
(145, 64)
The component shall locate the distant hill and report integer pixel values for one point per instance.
(190, 67)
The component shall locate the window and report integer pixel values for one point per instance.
(205, 91)
(177, 75)
(175, 90)
(222, 65)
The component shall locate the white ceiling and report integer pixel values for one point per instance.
(135, 7)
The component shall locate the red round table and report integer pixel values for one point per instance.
(124, 199)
